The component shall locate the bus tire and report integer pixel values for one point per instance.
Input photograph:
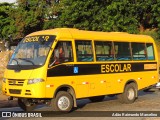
(63, 102)
(97, 98)
(129, 94)
(23, 104)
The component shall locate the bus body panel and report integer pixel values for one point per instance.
(87, 83)
(17, 83)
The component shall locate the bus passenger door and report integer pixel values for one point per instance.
(60, 68)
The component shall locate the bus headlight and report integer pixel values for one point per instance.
(36, 80)
(4, 80)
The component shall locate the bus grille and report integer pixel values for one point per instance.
(15, 91)
(15, 82)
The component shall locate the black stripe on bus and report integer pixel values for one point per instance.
(104, 68)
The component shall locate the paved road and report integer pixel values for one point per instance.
(149, 101)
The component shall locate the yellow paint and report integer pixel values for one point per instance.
(94, 87)
(150, 66)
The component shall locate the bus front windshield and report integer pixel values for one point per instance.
(31, 51)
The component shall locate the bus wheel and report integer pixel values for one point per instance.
(62, 102)
(97, 98)
(25, 105)
(129, 94)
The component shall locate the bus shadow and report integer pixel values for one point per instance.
(83, 102)
(151, 91)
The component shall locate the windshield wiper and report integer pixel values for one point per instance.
(26, 60)
(16, 61)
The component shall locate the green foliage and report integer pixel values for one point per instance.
(28, 17)
(6, 22)
(152, 33)
(25, 17)
(100, 15)
(49, 24)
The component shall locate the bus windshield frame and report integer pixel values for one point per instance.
(31, 52)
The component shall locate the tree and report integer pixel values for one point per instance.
(52, 13)
(6, 21)
(28, 16)
(104, 15)
(120, 16)
(146, 12)
(34, 15)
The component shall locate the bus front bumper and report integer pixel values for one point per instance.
(26, 91)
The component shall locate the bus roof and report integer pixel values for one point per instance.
(72, 33)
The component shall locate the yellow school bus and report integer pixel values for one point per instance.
(61, 65)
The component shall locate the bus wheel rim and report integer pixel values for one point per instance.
(131, 94)
(63, 103)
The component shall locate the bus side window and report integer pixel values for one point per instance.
(103, 51)
(139, 51)
(62, 53)
(150, 51)
(84, 51)
(122, 51)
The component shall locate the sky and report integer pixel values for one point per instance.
(9, 1)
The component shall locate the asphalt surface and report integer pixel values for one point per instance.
(147, 105)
